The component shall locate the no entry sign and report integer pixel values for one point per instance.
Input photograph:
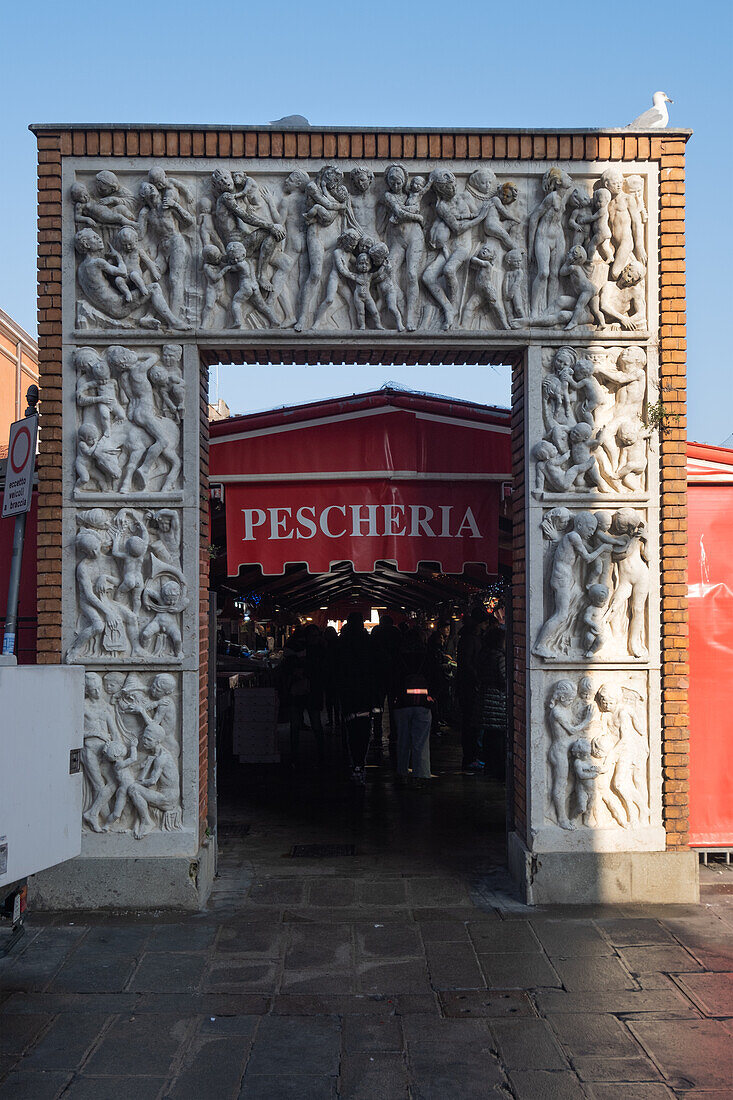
(21, 463)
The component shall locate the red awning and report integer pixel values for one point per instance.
(387, 476)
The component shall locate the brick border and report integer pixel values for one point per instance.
(667, 149)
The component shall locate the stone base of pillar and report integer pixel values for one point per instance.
(599, 878)
(162, 882)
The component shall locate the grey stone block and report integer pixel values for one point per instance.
(23, 1084)
(17, 1033)
(504, 937)
(444, 931)
(713, 993)
(454, 966)
(362, 1035)
(568, 938)
(145, 1045)
(366, 1076)
(517, 971)
(527, 1044)
(307, 1046)
(389, 941)
(602, 1068)
(255, 940)
(633, 933)
(592, 972)
(394, 977)
(662, 959)
(168, 972)
(669, 1003)
(545, 1085)
(288, 1087)
(66, 1042)
(692, 1054)
(211, 1067)
(242, 977)
(593, 1034)
(114, 1088)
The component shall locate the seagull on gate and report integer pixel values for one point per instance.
(656, 118)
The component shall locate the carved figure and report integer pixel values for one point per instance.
(248, 290)
(124, 764)
(158, 783)
(620, 706)
(97, 279)
(406, 235)
(627, 609)
(91, 213)
(364, 303)
(291, 215)
(453, 219)
(215, 288)
(571, 548)
(133, 372)
(337, 286)
(627, 228)
(164, 595)
(207, 230)
(584, 291)
(326, 202)
(362, 197)
(515, 289)
(98, 733)
(564, 730)
(384, 281)
(625, 300)
(488, 280)
(163, 216)
(547, 240)
(593, 618)
(497, 211)
(586, 773)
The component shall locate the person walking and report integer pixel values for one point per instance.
(467, 681)
(413, 712)
(491, 715)
(357, 691)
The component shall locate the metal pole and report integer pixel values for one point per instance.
(11, 615)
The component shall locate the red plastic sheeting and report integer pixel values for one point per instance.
(710, 590)
(27, 614)
(366, 521)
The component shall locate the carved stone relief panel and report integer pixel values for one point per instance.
(132, 752)
(131, 591)
(595, 436)
(596, 585)
(388, 248)
(129, 420)
(598, 751)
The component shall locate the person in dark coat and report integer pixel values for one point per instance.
(386, 642)
(437, 669)
(301, 687)
(357, 690)
(330, 687)
(413, 711)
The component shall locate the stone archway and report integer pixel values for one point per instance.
(161, 251)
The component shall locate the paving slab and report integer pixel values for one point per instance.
(23, 1084)
(211, 1066)
(288, 1087)
(543, 1085)
(366, 1076)
(391, 892)
(436, 891)
(604, 1068)
(317, 1004)
(255, 940)
(444, 931)
(519, 971)
(712, 993)
(592, 972)
(90, 971)
(327, 980)
(634, 933)
(568, 938)
(168, 972)
(144, 1045)
(490, 1005)
(635, 1091)
(692, 1054)
(307, 1046)
(319, 946)
(67, 1041)
(278, 891)
(504, 937)
(454, 966)
(393, 977)
(593, 1034)
(85, 1087)
(471, 1079)
(182, 937)
(527, 1044)
(388, 941)
(17, 1033)
(241, 976)
(670, 1003)
(364, 1035)
(662, 958)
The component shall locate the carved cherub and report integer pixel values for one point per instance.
(583, 289)
(130, 255)
(515, 288)
(124, 765)
(214, 272)
(364, 303)
(593, 618)
(384, 281)
(168, 381)
(550, 469)
(578, 203)
(585, 772)
(158, 783)
(582, 446)
(497, 211)
(248, 290)
(632, 448)
(487, 261)
(624, 301)
(165, 624)
(88, 212)
(622, 708)
(130, 542)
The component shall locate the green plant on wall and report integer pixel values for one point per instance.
(658, 418)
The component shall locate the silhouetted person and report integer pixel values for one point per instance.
(467, 680)
(357, 690)
(413, 703)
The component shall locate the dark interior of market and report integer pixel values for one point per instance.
(281, 800)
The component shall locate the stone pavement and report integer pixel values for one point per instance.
(408, 970)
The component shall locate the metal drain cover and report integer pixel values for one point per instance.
(322, 851)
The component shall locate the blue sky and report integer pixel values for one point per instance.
(466, 63)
